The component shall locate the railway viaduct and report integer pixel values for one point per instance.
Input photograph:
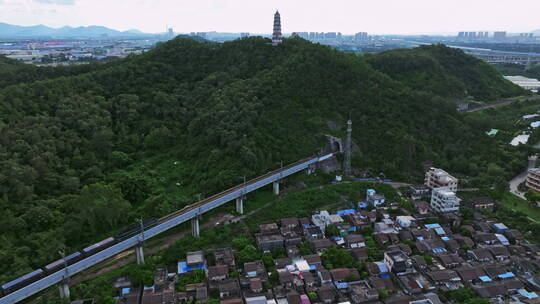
(191, 213)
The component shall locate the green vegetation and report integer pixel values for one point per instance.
(336, 258)
(510, 69)
(304, 203)
(465, 295)
(87, 150)
(444, 71)
(196, 276)
(516, 204)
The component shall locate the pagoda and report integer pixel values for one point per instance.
(277, 38)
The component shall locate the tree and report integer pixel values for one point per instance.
(240, 242)
(247, 254)
(428, 259)
(383, 294)
(268, 260)
(331, 230)
(462, 294)
(532, 197)
(336, 258)
(140, 274)
(305, 248)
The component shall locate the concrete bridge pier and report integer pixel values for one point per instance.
(275, 186)
(195, 228)
(64, 289)
(240, 205)
(139, 252)
(311, 169)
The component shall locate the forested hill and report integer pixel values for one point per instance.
(85, 153)
(14, 72)
(444, 71)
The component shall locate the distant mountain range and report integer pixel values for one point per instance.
(37, 31)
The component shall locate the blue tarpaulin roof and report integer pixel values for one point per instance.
(345, 212)
(184, 268)
(507, 275)
(526, 294)
(432, 226)
(440, 231)
(439, 250)
(445, 238)
(363, 205)
(342, 285)
(485, 279)
(382, 266)
(420, 238)
(126, 290)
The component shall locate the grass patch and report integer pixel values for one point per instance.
(515, 203)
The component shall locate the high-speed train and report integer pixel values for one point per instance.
(55, 266)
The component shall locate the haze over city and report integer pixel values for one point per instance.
(346, 16)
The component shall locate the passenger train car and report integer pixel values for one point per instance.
(58, 265)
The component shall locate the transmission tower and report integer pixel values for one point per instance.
(348, 149)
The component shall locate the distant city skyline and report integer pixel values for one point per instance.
(346, 16)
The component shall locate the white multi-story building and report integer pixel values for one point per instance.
(437, 178)
(444, 200)
(373, 198)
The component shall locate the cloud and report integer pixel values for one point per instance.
(60, 2)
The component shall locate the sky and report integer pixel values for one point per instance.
(256, 16)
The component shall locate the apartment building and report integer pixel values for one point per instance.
(438, 178)
(444, 200)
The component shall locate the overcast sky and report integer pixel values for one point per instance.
(256, 16)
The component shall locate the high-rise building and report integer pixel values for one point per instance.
(277, 38)
(499, 35)
(361, 36)
(330, 35)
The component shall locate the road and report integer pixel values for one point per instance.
(491, 105)
(498, 104)
(516, 181)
